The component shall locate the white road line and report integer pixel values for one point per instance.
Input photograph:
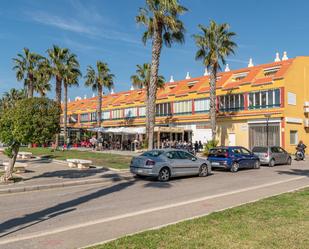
(141, 212)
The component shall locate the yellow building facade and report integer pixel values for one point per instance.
(256, 105)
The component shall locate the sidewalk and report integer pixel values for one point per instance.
(45, 174)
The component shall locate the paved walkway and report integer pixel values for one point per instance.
(43, 173)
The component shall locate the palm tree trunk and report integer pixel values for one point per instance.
(65, 88)
(9, 171)
(213, 79)
(99, 107)
(156, 51)
(30, 86)
(58, 100)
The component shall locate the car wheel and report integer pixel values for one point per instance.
(164, 175)
(257, 164)
(289, 161)
(271, 163)
(235, 167)
(203, 170)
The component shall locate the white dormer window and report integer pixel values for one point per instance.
(271, 71)
(239, 76)
(192, 83)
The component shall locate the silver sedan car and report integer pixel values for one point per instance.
(167, 163)
(272, 155)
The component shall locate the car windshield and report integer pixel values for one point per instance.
(152, 153)
(259, 150)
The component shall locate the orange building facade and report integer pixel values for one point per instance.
(256, 105)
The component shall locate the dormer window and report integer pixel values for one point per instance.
(239, 76)
(192, 83)
(271, 71)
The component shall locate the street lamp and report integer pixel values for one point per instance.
(267, 116)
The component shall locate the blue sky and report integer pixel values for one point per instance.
(106, 30)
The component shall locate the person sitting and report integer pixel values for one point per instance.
(301, 147)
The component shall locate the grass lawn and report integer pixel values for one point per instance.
(99, 159)
(276, 222)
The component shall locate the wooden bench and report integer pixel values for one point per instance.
(24, 155)
(79, 163)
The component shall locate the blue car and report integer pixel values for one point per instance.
(233, 158)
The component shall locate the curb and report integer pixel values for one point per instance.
(63, 184)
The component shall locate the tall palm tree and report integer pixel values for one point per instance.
(58, 58)
(98, 80)
(214, 44)
(26, 65)
(70, 78)
(142, 80)
(161, 19)
(42, 78)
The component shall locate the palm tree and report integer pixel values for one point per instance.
(42, 78)
(98, 80)
(142, 80)
(58, 58)
(70, 78)
(214, 45)
(9, 99)
(25, 66)
(161, 19)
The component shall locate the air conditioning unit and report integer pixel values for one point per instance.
(306, 104)
(306, 123)
(306, 109)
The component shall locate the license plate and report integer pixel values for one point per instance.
(215, 164)
(139, 171)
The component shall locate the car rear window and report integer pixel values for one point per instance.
(218, 152)
(152, 153)
(259, 150)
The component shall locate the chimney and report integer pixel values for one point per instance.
(132, 88)
(85, 96)
(227, 68)
(285, 56)
(206, 72)
(188, 76)
(112, 91)
(250, 64)
(277, 57)
(93, 95)
(172, 79)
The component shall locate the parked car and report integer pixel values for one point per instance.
(272, 155)
(167, 163)
(233, 158)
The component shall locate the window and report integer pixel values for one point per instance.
(84, 117)
(183, 107)
(173, 155)
(72, 118)
(264, 99)
(163, 109)
(142, 111)
(245, 152)
(130, 112)
(117, 114)
(106, 115)
(93, 117)
(201, 105)
(231, 102)
(271, 71)
(239, 77)
(185, 155)
(291, 98)
(293, 137)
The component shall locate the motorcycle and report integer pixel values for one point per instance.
(299, 155)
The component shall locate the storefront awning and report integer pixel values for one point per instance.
(121, 130)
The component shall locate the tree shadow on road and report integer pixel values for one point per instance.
(31, 219)
(297, 172)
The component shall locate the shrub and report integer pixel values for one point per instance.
(210, 145)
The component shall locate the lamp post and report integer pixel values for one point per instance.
(267, 116)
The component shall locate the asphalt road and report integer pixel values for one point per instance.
(78, 216)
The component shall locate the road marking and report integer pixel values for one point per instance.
(141, 212)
